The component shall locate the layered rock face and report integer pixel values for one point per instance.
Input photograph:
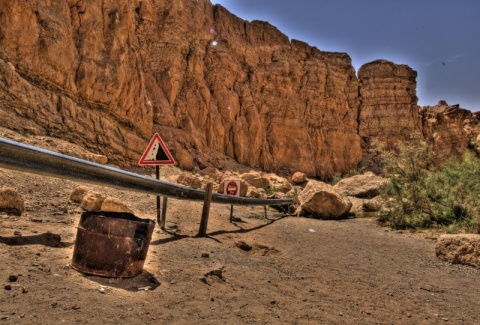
(388, 109)
(106, 75)
(70, 69)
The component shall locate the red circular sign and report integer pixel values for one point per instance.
(232, 188)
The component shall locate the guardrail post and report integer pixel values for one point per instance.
(164, 213)
(206, 210)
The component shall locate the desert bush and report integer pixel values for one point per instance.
(422, 194)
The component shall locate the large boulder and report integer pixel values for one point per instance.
(277, 183)
(321, 200)
(11, 201)
(459, 249)
(367, 185)
(255, 179)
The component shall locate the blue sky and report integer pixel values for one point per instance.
(440, 39)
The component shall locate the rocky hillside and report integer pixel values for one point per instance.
(106, 75)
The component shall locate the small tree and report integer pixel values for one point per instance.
(421, 194)
(409, 167)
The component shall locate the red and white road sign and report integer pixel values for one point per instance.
(231, 187)
(156, 153)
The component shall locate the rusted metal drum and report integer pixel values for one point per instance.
(112, 244)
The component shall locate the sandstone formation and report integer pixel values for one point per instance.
(448, 128)
(106, 75)
(388, 109)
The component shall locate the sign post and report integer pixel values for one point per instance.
(231, 187)
(157, 154)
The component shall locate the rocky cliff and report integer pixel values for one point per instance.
(449, 128)
(108, 74)
(388, 109)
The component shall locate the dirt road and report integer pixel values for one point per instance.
(280, 270)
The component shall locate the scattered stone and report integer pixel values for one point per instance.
(101, 289)
(205, 255)
(79, 193)
(299, 178)
(278, 183)
(92, 201)
(11, 201)
(54, 304)
(211, 173)
(190, 180)
(115, 205)
(17, 233)
(24, 290)
(7, 287)
(459, 249)
(12, 278)
(253, 192)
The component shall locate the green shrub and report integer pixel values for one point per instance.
(421, 194)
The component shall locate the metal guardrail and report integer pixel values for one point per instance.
(19, 156)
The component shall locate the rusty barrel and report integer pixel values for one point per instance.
(112, 244)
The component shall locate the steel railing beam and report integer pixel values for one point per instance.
(19, 156)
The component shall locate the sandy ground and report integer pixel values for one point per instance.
(256, 270)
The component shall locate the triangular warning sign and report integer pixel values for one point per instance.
(156, 153)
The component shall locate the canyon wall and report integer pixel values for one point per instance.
(109, 74)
